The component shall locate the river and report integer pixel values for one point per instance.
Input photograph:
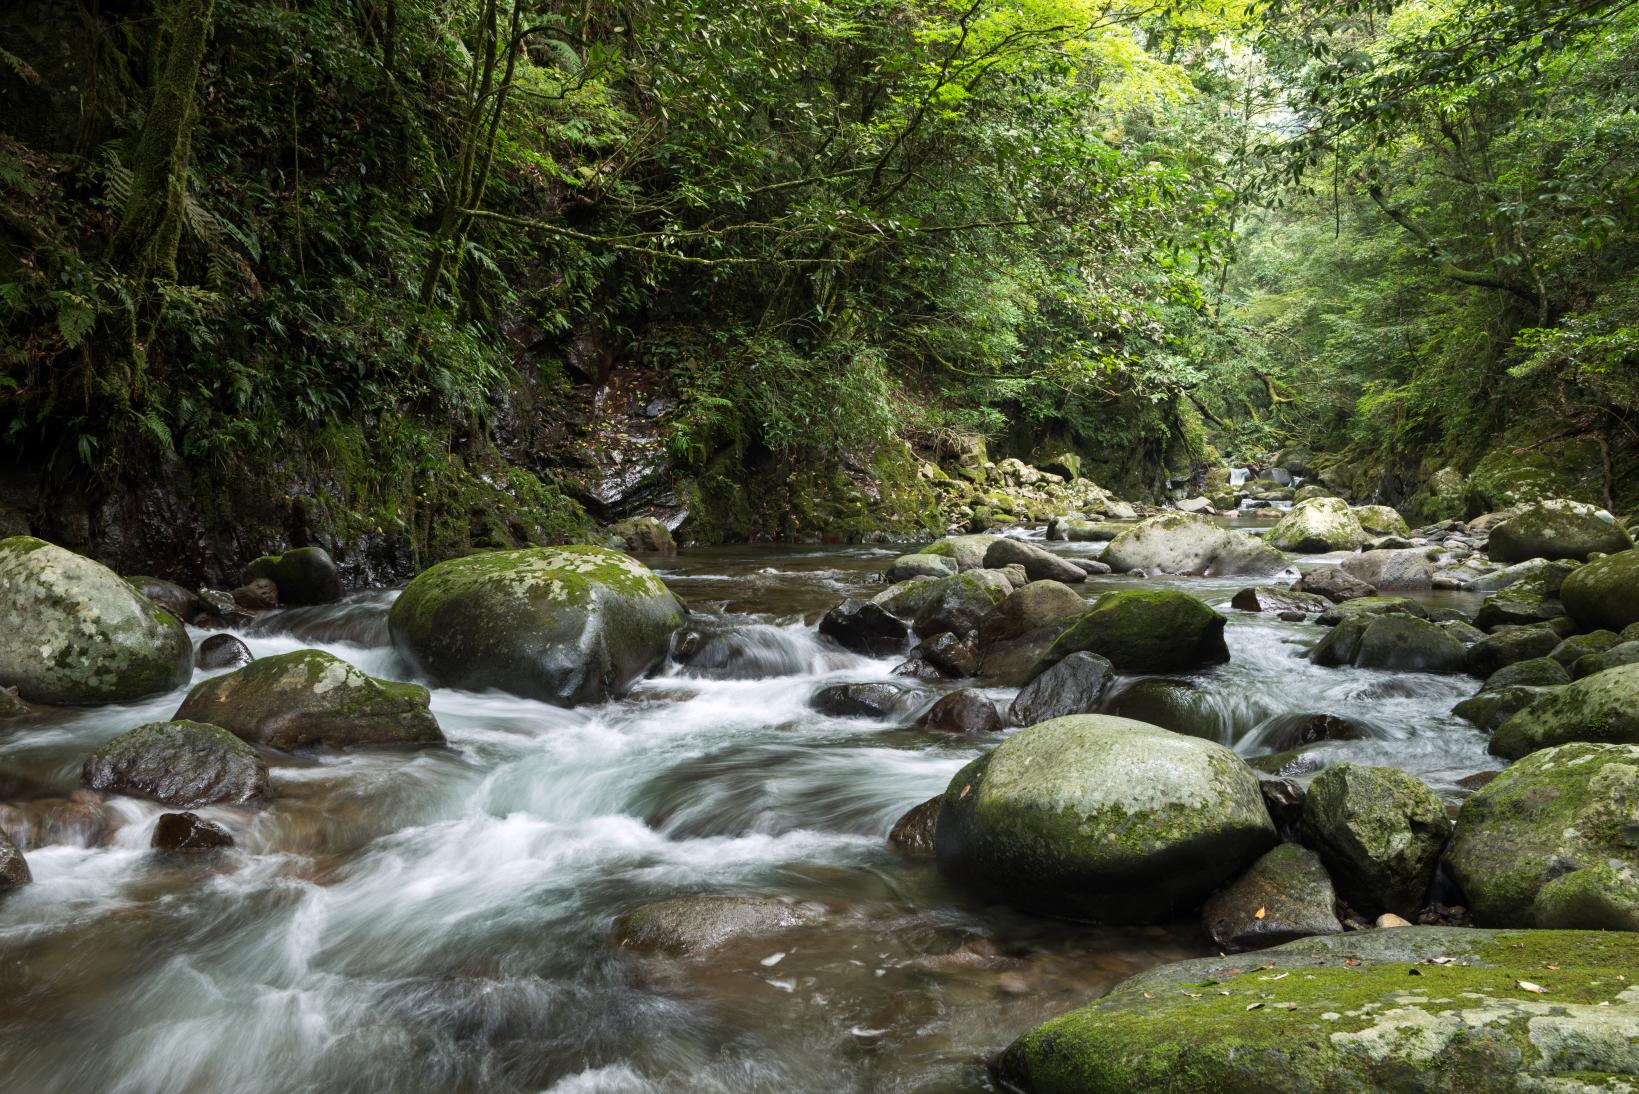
(441, 920)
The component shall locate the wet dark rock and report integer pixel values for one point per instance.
(1465, 633)
(180, 602)
(1073, 686)
(258, 595)
(953, 656)
(1284, 798)
(965, 710)
(1285, 895)
(1333, 583)
(222, 651)
(1379, 831)
(1291, 617)
(221, 610)
(912, 834)
(180, 763)
(874, 699)
(187, 833)
(961, 603)
(1289, 731)
(1490, 709)
(1504, 647)
(308, 697)
(917, 667)
(1447, 615)
(904, 599)
(1039, 563)
(1177, 705)
(691, 926)
(1102, 817)
(14, 871)
(1269, 598)
(1535, 672)
(723, 651)
(81, 820)
(864, 627)
(1287, 765)
(306, 575)
(1145, 630)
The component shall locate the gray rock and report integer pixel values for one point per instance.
(1316, 525)
(1184, 543)
(1535, 672)
(185, 764)
(692, 926)
(1408, 644)
(1285, 895)
(906, 567)
(1380, 832)
(1604, 593)
(1334, 583)
(1073, 686)
(1557, 528)
(1623, 653)
(1392, 570)
(1602, 708)
(1490, 709)
(959, 604)
(1269, 598)
(1039, 563)
(1509, 645)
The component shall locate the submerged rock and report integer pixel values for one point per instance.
(1403, 1011)
(187, 833)
(1603, 707)
(1102, 817)
(1316, 525)
(1605, 592)
(565, 625)
(1372, 605)
(308, 697)
(1285, 895)
(1144, 630)
(306, 575)
(1555, 813)
(72, 632)
(81, 820)
(178, 763)
(690, 926)
(1379, 831)
(1557, 528)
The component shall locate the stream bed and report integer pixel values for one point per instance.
(442, 920)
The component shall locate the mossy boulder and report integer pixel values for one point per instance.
(1523, 602)
(1578, 646)
(1537, 672)
(1490, 709)
(1361, 606)
(1524, 469)
(1405, 643)
(961, 602)
(1379, 831)
(1316, 525)
(1410, 1010)
(182, 763)
(1186, 543)
(968, 552)
(905, 598)
(1605, 592)
(1623, 653)
(308, 697)
(565, 625)
(72, 632)
(1556, 812)
(306, 575)
(1102, 817)
(1144, 630)
(1510, 645)
(1382, 520)
(922, 564)
(1557, 528)
(1602, 897)
(1285, 895)
(1602, 708)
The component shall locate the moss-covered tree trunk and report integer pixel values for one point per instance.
(145, 246)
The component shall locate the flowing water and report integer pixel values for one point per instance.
(441, 920)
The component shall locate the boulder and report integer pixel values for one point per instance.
(307, 575)
(1073, 686)
(692, 926)
(1603, 707)
(1316, 525)
(947, 655)
(1102, 817)
(968, 552)
(1185, 543)
(1509, 645)
(1557, 812)
(309, 697)
(1602, 897)
(1334, 583)
(1409, 1010)
(1466, 633)
(72, 632)
(188, 834)
(1341, 645)
(1039, 563)
(1405, 570)
(1578, 646)
(1144, 630)
(14, 871)
(647, 534)
(905, 598)
(1623, 653)
(185, 605)
(913, 833)
(1557, 528)
(906, 567)
(1605, 592)
(1285, 895)
(1380, 832)
(1405, 643)
(1371, 605)
(1381, 520)
(257, 595)
(185, 764)
(960, 603)
(564, 625)
(1490, 709)
(1178, 705)
(1269, 598)
(965, 710)
(1522, 603)
(1539, 672)
(1039, 604)
(222, 651)
(874, 699)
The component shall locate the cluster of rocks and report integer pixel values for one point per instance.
(978, 495)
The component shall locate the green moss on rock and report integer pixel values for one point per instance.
(1144, 630)
(1603, 708)
(1604, 593)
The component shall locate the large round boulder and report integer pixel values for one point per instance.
(1557, 529)
(185, 764)
(1102, 817)
(565, 625)
(309, 697)
(1400, 570)
(73, 632)
(1319, 524)
(1605, 592)
(1411, 1010)
(1144, 630)
(1555, 813)
(906, 567)
(1186, 543)
(1020, 629)
(1603, 707)
(1382, 520)
(307, 575)
(1379, 831)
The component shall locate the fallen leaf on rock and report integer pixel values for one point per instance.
(1288, 1006)
(1259, 913)
(1526, 985)
(1351, 962)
